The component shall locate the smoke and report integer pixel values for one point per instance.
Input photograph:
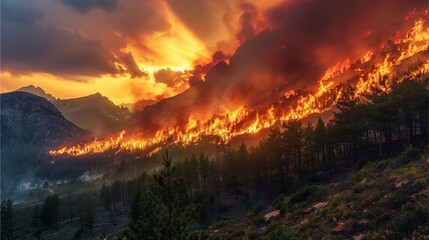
(90, 177)
(36, 183)
(28, 184)
(246, 21)
(305, 39)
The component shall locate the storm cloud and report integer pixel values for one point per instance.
(84, 6)
(34, 48)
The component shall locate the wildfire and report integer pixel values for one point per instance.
(231, 123)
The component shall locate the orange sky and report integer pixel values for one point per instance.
(76, 48)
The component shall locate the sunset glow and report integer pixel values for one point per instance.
(242, 120)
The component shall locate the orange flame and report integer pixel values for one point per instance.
(242, 120)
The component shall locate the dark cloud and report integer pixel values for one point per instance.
(19, 12)
(34, 48)
(219, 56)
(168, 76)
(137, 17)
(132, 67)
(84, 6)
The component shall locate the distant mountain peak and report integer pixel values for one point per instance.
(38, 91)
(33, 121)
(95, 112)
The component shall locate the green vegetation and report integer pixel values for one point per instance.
(6, 219)
(392, 205)
(361, 175)
(219, 224)
(258, 207)
(281, 232)
(49, 212)
(164, 212)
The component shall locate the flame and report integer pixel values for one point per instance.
(242, 120)
(336, 70)
(416, 40)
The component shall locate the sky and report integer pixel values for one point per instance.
(127, 50)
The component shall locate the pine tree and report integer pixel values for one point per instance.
(35, 221)
(49, 211)
(164, 210)
(6, 219)
(320, 137)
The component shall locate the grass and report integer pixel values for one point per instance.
(219, 224)
(386, 199)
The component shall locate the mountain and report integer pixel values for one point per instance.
(139, 105)
(38, 91)
(30, 122)
(30, 126)
(95, 112)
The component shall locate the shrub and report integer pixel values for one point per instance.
(359, 187)
(359, 175)
(258, 220)
(219, 224)
(370, 197)
(198, 235)
(410, 154)
(409, 221)
(253, 235)
(281, 232)
(278, 201)
(237, 233)
(258, 207)
(394, 200)
(303, 194)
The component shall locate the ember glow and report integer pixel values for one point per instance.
(369, 69)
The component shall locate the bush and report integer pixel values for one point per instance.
(303, 194)
(258, 207)
(258, 220)
(408, 222)
(359, 187)
(410, 154)
(253, 235)
(359, 175)
(198, 235)
(278, 201)
(394, 200)
(370, 197)
(237, 233)
(281, 232)
(219, 224)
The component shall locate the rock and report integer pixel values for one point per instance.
(303, 222)
(31, 122)
(339, 228)
(320, 205)
(271, 215)
(401, 183)
(362, 221)
(358, 237)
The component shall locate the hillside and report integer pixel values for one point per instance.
(95, 113)
(38, 91)
(30, 121)
(30, 126)
(383, 200)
